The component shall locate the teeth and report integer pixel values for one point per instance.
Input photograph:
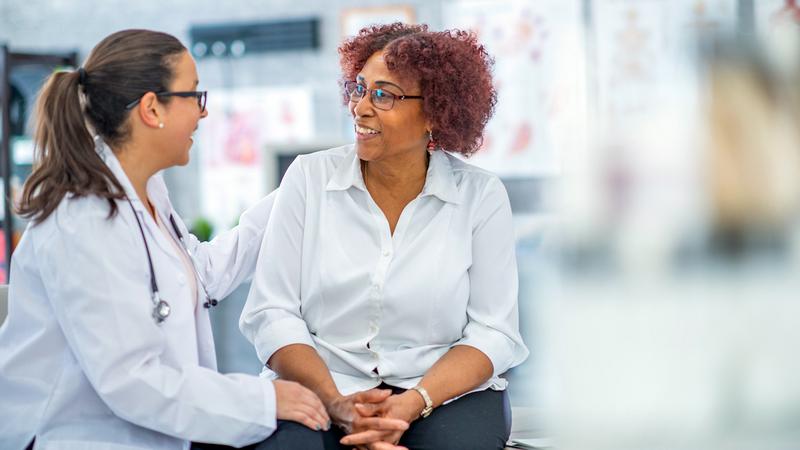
(363, 130)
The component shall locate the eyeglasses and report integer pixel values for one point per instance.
(380, 99)
(201, 97)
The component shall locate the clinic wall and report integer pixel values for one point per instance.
(49, 25)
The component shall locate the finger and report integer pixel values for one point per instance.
(372, 396)
(368, 409)
(382, 423)
(314, 408)
(320, 421)
(317, 411)
(304, 419)
(364, 437)
(321, 408)
(310, 398)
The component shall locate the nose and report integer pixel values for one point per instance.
(204, 114)
(363, 107)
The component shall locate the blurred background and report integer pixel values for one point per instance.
(651, 150)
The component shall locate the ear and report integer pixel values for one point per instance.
(150, 110)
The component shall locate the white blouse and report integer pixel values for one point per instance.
(380, 307)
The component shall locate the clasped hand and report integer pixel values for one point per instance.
(377, 419)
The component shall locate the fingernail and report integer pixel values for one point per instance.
(328, 426)
(317, 427)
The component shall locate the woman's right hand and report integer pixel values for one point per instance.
(345, 415)
(297, 403)
(343, 410)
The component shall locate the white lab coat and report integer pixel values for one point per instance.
(83, 365)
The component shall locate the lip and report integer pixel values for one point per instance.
(365, 136)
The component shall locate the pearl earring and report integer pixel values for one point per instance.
(161, 125)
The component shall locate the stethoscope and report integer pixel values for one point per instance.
(161, 308)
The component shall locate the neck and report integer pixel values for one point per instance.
(138, 170)
(399, 174)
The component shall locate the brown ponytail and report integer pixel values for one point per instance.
(120, 69)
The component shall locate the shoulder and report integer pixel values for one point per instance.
(325, 159)
(475, 183)
(79, 217)
(317, 168)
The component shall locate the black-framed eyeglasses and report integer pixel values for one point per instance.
(380, 98)
(201, 97)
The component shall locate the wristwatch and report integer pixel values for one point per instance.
(427, 398)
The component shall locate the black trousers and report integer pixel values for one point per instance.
(477, 421)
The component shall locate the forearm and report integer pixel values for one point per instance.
(457, 372)
(301, 363)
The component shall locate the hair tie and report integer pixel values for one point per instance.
(81, 76)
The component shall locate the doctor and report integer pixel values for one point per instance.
(108, 344)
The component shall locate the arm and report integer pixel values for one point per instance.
(490, 343)
(272, 318)
(230, 258)
(95, 275)
(460, 370)
(492, 311)
(301, 363)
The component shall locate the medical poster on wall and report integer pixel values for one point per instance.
(232, 140)
(630, 63)
(540, 78)
(644, 47)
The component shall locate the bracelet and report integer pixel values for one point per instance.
(427, 398)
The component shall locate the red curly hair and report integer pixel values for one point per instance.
(453, 70)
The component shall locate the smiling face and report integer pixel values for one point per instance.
(384, 135)
(182, 113)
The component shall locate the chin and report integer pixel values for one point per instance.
(366, 152)
(183, 161)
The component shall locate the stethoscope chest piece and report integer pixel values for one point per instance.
(161, 311)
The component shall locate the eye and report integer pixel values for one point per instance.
(380, 93)
(360, 89)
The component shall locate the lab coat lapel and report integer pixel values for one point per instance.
(155, 188)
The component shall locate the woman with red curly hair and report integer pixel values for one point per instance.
(396, 294)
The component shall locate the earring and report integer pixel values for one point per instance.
(161, 125)
(431, 141)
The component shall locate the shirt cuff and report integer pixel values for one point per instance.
(275, 335)
(270, 403)
(501, 351)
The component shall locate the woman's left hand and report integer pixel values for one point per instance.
(406, 406)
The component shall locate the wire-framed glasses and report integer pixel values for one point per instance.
(380, 98)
